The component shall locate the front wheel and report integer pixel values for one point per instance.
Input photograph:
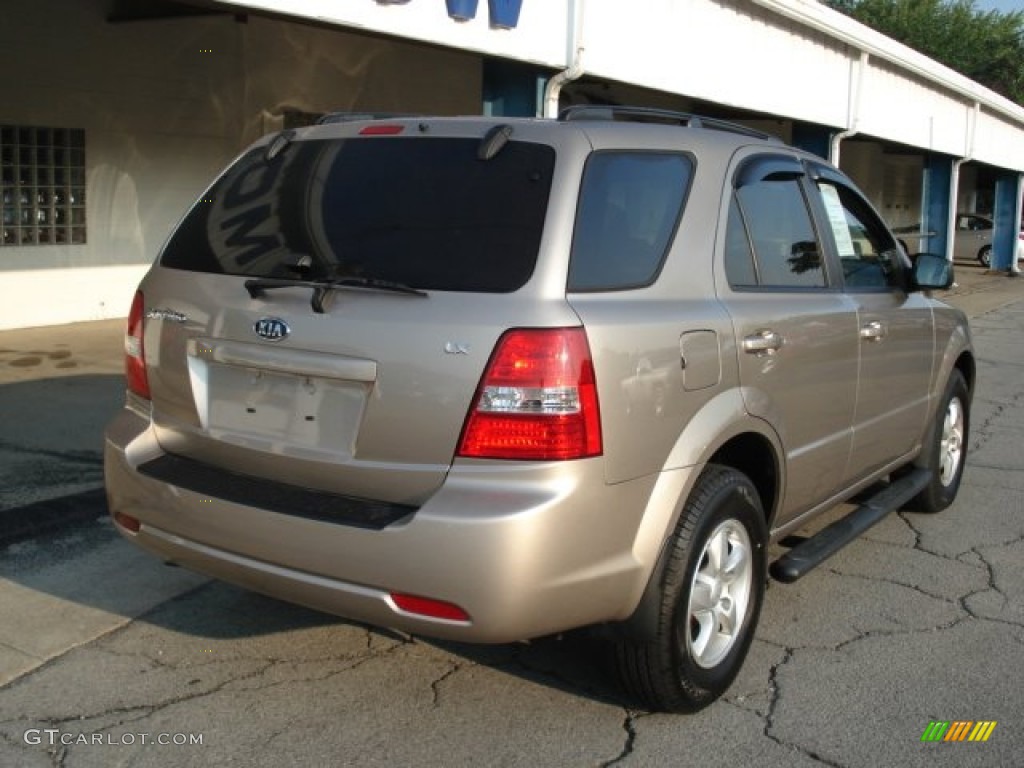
(945, 453)
(711, 591)
(985, 256)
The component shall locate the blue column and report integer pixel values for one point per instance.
(812, 138)
(511, 89)
(1007, 217)
(937, 203)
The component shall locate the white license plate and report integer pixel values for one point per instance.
(256, 408)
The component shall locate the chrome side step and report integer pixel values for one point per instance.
(813, 551)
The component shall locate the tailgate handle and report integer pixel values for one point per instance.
(278, 360)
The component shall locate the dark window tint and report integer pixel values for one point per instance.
(630, 204)
(739, 259)
(867, 251)
(421, 211)
(785, 246)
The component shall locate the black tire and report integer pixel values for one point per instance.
(687, 661)
(945, 452)
(985, 256)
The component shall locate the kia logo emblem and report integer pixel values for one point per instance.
(271, 328)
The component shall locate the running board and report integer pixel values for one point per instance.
(812, 552)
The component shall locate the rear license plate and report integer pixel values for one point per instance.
(255, 406)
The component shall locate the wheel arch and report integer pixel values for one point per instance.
(958, 355)
(756, 457)
(723, 432)
(750, 446)
(965, 363)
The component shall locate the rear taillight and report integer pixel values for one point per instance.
(537, 399)
(134, 351)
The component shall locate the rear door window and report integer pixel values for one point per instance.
(771, 241)
(630, 205)
(426, 212)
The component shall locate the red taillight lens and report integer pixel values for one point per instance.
(424, 606)
(134, 352)
(537, 399)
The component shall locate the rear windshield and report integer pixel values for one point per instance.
(426, 212)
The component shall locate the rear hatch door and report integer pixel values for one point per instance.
(322, 316)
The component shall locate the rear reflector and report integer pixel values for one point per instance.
(424, 606)
(127, 522)
(382, 130)
(537, 399)
(134, 351)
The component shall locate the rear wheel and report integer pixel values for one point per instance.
(710, 595)
(985, 256)
(946, 451)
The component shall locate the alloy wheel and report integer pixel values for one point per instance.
(719, 595)
(951, 447)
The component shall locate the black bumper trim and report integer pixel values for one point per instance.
(273, 496)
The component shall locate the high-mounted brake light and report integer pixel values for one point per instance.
(537, 399)
(134, 351)
(386, 129)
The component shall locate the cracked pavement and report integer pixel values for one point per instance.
(921, 619)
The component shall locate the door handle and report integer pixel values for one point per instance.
(873, 331)
(766, 342)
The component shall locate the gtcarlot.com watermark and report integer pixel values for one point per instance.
(54, 737)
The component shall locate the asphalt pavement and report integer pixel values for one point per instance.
(59, 386)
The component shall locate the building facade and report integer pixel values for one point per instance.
(119, 113)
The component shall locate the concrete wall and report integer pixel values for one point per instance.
(165, 105)
(540, 36)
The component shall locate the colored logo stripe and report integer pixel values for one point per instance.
(935, 731)
(958, 730)
(982, 731)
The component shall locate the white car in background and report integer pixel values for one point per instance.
(972, 239)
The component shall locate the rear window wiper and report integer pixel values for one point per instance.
(321, 288)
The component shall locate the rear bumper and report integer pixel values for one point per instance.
(525, 549)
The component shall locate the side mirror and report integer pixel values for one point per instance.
(931, 272)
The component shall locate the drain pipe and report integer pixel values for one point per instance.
(1018, 244)
(853, 108)
(954, 179)
(554, 86)
(575, 50)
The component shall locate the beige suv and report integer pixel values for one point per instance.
(489, 379)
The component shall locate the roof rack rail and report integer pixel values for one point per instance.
(664, 116)
(349, 117)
